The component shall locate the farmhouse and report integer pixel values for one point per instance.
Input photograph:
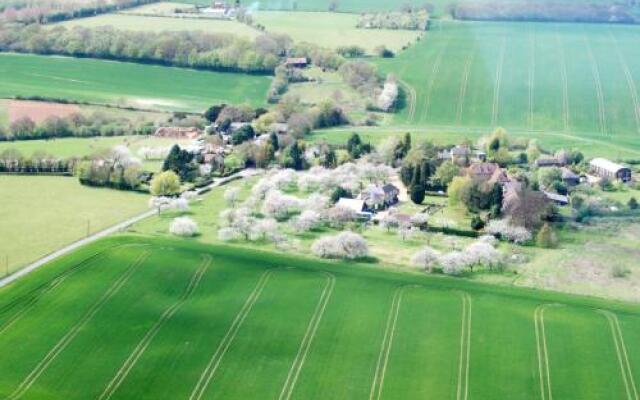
(604, 168)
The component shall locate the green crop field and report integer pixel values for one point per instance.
(155, 24)
(41, 214)
(126, 84)
(571, 79)
(134, 317)
(338, 29)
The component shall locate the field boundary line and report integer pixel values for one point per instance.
(462, 92)
(564, 82)
(595, 72)
(630, 81)
(462, 392)
(532, 74)
(307, 340)
(498, 83)
(543, 352)
(211, 368)
(137, 352)
(385, 347)
(75, 329)
(623, 357)
(412, 102)
(435, 70)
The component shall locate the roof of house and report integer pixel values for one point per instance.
(606, 165)
(557, 197)
(460, 151)
(546, 161)
(569, 174)
(356, 205)
(483, 170)
(177, 132)
(389, 188)
(296, 60)
(499, 176)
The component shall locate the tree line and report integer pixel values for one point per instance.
(74, 125)
(212, 51)
(12, 161)
(60, 10)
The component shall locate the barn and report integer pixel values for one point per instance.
(608, 169)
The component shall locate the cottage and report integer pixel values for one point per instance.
(296, 62)
(391, 193)
(608, 169)
(177, 132)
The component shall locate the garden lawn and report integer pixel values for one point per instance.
(42, 214)
(172, 318)
(126, 84)
(333, 30)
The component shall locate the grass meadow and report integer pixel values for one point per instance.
(41, 214)
(576, 81)
(157, 24)
(126, 84)
(134, 317)
(337, 29)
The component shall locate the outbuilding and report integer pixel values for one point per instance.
(604, 168)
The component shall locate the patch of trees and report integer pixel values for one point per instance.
(212, 51)
(363, 77)
(280, 83)
(319, 56)
(61, 10)
(117, 169)
(415, 20)
(181, 162)
(74, 125)
(547, 12)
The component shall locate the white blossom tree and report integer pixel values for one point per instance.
(306, 221)
(231, 196)
(347, 245)
(508, 231)
(453, 263)
(426, 258)
(183, 226)
(373, 196)
(338, 216)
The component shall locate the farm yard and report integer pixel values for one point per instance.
(338, 29)
(574, 79)
(126, 84)
(60, 210)
(175, 319)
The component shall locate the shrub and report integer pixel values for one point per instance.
(508, 232)
(633, 203)
(183, 226)
(619, 271)
(546, 238)
(417, 194)
(477, 223)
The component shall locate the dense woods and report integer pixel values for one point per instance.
(214, 51)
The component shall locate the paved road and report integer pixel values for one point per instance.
(106, 232)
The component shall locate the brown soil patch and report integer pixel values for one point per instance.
(38, 111)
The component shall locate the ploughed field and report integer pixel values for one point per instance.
(126, 84)
(151, 318)
(575, 79)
